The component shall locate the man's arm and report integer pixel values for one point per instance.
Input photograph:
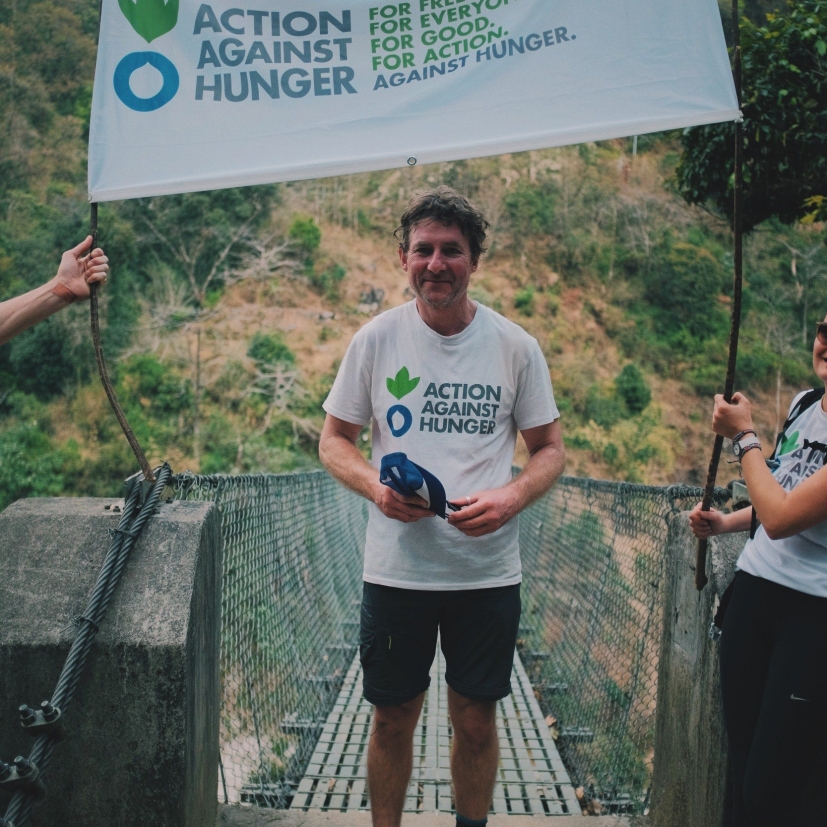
(341, 457)
(70, 284)
(487, 511)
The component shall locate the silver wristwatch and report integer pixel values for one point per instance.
(747, 442)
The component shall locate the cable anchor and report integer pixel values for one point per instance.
(22, 774)
(47, 719)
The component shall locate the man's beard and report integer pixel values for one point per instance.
(439, 304)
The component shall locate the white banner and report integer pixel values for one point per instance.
(192, 96)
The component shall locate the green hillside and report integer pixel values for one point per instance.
(227, 313)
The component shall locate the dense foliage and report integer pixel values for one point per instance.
(784, 102)
(624, 286)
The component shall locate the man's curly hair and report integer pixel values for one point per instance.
(447, 206)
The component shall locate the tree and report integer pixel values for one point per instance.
(277, 383)
(807, 268)
(306, 235)
(684, 284)
(632, 389)
(784, 102)
(203, 235)
(40, 360)
(29, 464)
(780, 338)
(204, 240)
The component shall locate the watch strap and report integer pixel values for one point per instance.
(743, 445)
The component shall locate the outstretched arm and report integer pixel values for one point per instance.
(70, 284)
(341, 457)
(486, 511)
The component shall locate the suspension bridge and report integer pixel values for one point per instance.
(294, 726)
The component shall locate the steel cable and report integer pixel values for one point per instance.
(132, 522)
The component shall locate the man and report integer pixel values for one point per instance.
(448, 382)
(74, 275)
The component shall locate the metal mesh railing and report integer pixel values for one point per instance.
(593, 561)
(292, 571)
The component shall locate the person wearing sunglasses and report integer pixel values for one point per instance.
(773, 656)
(78, 269)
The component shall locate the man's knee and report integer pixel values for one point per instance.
(474, 722)
(391, 722)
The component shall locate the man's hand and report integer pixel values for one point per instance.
(488, 511)
(397, 507)
(341, 457)
(705, 524)
(485, 512)
(77, 271)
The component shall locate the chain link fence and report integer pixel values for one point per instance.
(292, 576)
(593, 560)
(593, 563)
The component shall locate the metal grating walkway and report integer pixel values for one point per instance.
(532, 779)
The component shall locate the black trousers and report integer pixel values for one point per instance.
(774, 687)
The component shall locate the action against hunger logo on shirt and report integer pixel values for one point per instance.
(150, 19)
(799, 463)
(457, 407)
(788, 443)
(401, 385)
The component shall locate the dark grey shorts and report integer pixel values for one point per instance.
(477, 630)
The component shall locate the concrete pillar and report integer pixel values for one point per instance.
(690, 743)
(142, 744)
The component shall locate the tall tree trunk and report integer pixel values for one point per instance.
(778, 398)
(614, 243)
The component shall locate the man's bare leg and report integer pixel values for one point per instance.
(390, 760)
(475, 754)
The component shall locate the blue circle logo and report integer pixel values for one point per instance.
(407, 420)
(135, 61)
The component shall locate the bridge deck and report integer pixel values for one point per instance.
(532, 779)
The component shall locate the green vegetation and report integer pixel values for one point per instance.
(270, 349)
(306, 235)
(524, 301)
(592, 250)
(632, 389)
(785, 122)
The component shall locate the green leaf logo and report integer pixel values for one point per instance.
(150, 18)
(403, 384)
(788, 443)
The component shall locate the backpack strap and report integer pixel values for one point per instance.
(806, 401)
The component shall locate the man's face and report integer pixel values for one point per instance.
(438, 264)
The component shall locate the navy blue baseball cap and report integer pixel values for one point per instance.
(409, 479)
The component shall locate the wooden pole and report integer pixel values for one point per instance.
(737, 285)
(107, 385)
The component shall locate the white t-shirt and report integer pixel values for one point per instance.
(453, 404)
(798, 562)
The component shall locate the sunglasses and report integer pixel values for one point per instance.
(821, 332)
